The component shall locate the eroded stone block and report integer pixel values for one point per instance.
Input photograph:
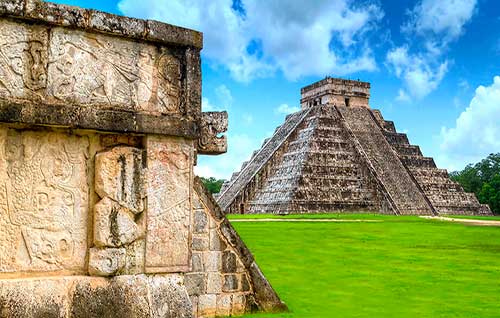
(169, 180)
(114, 225)
(207, 305)
(119, 176)
(106, 261)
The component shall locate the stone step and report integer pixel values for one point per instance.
(418, 161)
(407, 150)
(395, 138)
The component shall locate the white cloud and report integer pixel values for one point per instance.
(477, 131)
(441, 21)
(286, 109)
(223, 100)
(438, 23)
(298, 38)
(419, 75)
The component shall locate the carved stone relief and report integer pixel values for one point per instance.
(169, 88)
(43, 201)
(90, 68)
(118, 218)
(169, 208)
(213, 124)
(23, 60)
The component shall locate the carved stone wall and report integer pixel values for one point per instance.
(100, 213)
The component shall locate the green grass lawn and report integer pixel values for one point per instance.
(400, 267)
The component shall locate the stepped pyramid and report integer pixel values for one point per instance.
(337, 154)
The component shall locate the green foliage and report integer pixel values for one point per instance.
(483, 179)
(213, 185)
(399, 267)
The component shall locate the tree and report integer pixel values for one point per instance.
(483, 179)
(213, 185)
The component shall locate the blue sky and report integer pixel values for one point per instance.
(432, 65)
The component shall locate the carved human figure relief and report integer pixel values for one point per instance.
(44, 201)
(98, 69)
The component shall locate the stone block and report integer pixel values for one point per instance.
(117, 24)
(238, 304)
(200, 244)
(197, 262)
(224, 304)
(216, 242)
(169, 180)
(106, 261)
(245, 284)
(134, 258)
(14, 7)
(228, 262)
(114, 225)
(231, 283)
(214, 283)
(200, 221)
(194, 303)
(207, 305)
(212, 261)
(195, 283)
(119, 176)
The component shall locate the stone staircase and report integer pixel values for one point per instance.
(445, 195)
(319, 172)
(238, 182)
(400, 186)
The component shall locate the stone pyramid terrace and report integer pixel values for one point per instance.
(338, 155)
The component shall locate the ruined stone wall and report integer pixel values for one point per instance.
(100, 213)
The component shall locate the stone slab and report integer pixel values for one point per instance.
(43, 201)
(169, 183)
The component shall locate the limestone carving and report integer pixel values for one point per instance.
(119, 181)
(119, 176)
(107, 261)
(88, 68)
(23, 60)
(169, 208)
(169, 90)
(43, 201)
(212, 125)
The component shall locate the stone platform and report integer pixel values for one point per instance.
(100, 212)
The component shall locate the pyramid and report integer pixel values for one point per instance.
(338, 155)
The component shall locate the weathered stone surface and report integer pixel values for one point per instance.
(212, 125)
(200, 244)
(197, 261)
(231, 283)
(224, 304)
(106, 261)
(200, 221)
(119, 176)
(169, 210)
(228, 262)
(195, 283)
(214, 283)
(43, 201)
(207, 305)
(114, 225)
(23, 66)
(213, 261)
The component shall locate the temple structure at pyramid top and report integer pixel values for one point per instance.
(338, 155)
(336, 91)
